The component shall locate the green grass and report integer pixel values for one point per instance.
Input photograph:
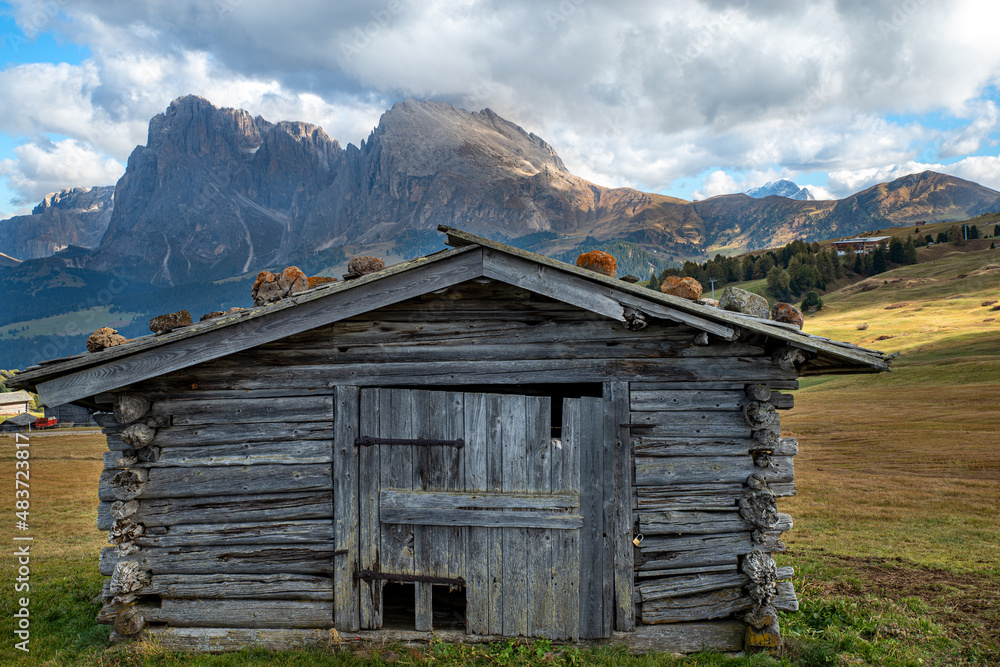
(77, 322)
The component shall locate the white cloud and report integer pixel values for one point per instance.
(639, 93)
(43, 168)
(716, 183)
(984, 170)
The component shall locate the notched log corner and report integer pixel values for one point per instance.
(130, 408)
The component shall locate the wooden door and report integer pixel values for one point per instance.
(473, 486)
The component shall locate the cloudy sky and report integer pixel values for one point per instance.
(691, 99)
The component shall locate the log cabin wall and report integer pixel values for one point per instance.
(219, 496)
(709, 465)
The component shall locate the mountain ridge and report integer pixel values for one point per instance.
(218, 192)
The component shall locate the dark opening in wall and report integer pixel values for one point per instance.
(399, 608)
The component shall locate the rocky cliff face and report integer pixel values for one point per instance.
(428, 164)
(218, 192)
(209, 194)
(71, 217)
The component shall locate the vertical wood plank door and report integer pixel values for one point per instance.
(495, 500)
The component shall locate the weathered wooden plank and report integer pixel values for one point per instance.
(539, 279)
(242, 613)
(681, 571)
(226, 480)
(495, 349)
(281, 452)
(515, 591)
(784, 597)
(117, 460)
(538, 541)
(686, 400)
(714, 604)
(624, 610)
(607, 512)
(454, 463)
(494, 483)
(702, 424)
(241, 434)
(666, 553)
(246, 410)
(663, 446)
(346, 518)
(488, 518)
(782, 401)
(396, 499)
(206, 341)
(396, 471)
(695, 584)
(723, 636)
(369, 534)
(497, 321)
(657, 471)
(477, 568)
(273, 507)
(425, 413)
(566, 476)
(208, 534)
(298, 559)
(592, 508)
(673, 522)
(478, 372)
(241, 586)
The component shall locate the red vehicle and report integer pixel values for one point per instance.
(45, 422)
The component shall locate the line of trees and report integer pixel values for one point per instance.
(795, 269)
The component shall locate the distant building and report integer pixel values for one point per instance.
(71, 414)
(14, 402)
(861, 244)
(21, 422)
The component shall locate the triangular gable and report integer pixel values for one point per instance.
(90, 374)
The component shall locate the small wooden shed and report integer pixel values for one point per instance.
(480, 443)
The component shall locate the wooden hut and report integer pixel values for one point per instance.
(481, 443)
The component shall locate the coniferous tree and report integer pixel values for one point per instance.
(812, 300)
(910, 252)
(778, 282)
(897, 254)
(880, 258)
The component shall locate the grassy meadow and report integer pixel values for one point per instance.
(896, 542)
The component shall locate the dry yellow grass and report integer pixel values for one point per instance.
(897, 471)
(64, 470)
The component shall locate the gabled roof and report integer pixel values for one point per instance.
(15, 397)
(75, 378)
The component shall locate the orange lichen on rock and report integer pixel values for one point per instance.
(104, 338)
(293, 280)
(316, 281)
(363, 265)
(598, 261)
(274, 287)
(169, 322)
(787, 313)
(685, 288)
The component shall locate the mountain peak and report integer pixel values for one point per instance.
(781, 188)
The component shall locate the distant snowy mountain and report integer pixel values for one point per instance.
(781, 188)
